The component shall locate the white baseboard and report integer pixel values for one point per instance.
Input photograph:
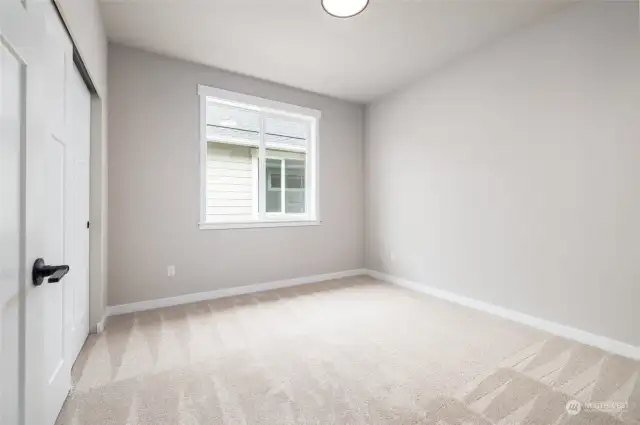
(101, 324)
(568, 332)
(228, 292)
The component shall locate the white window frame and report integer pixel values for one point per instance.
(283, 189)
(272, 109)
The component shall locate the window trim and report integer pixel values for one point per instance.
(259, 224)
(255, 103)
(268, 108)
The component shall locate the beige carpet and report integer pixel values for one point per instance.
(351, 351)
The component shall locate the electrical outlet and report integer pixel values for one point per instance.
(171, 271)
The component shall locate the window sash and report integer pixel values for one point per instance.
(263, 214)
(310, 185)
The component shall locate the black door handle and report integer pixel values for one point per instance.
(41, 270)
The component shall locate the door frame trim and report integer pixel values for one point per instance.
(77, 59)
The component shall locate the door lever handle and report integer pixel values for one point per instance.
(41, 270)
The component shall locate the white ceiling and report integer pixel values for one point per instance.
(294, 42)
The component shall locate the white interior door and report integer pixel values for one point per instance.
(76, 284)
(51, 323)
(41, 164)
(22, 79)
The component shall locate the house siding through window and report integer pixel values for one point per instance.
(229, 182)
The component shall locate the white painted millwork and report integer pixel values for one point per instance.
(554, 328)
(84, 22)
(240, 137)
(22, 80)
(232, 181)
(37, 157)
(76, 283)
(229, 292)
(54, 358)
(11, 242)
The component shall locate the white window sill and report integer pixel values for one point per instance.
(259, 224)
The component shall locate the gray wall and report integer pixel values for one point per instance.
(154, 186)
(512, 175)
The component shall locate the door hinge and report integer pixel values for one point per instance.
(88, 224)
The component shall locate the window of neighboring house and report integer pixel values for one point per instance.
(259, 161)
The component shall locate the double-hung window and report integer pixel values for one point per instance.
(259, 161)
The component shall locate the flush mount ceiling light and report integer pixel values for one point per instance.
(344, 8)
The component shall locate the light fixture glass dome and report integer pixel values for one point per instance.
(344, 8)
